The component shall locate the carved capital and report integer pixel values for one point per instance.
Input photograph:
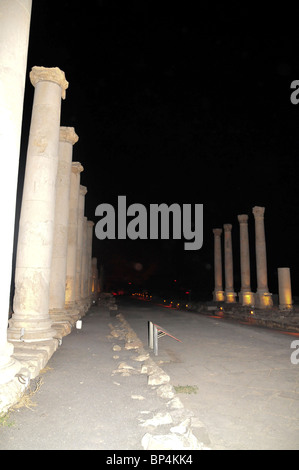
(258, 212)
(227, 227)
(243, 219)
(217, 232)
(77, 167)
(68, 134)
(49, 74)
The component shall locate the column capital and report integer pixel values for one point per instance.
(243, 218)
(77, 167)
(227, 227)
(68, 134)
(258, 212)
(50, 74)
(217, 232)
(83, 190)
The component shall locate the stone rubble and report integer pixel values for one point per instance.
(175, 421)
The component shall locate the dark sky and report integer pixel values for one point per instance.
(179, 103)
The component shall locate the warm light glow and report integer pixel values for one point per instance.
(267, 300)
(247, 299)
(230, 298)
(219, 296)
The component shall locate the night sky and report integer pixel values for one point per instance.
(178, 103)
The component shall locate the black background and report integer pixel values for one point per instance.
(178, 102)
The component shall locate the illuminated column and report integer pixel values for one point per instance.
(263, 299)
(68, 138)
(230, 295)
(84, 260)
(218, 294)
(70, 290)
(285, 289)
(95, 278)
(81, 207)
(90, 225)
(14, 35)
(30, 320)
(246, 297)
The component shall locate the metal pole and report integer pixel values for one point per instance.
(150, 335)
(155, 341)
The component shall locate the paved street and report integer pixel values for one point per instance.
(246, 388)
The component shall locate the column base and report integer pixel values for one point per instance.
(263, 299)
(24, 330)
(61, 321)
(9, 366)
(247, 298)
(286, 307)
(230, 297)
(218, 296)
(35, 355)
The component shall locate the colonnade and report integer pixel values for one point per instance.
(55, 275)
(262, 299)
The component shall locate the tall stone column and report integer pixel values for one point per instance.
(230, 295)
(263, 298)
(218, 294)
(90, 225)
(81, 208)
(14, 35)
(68, 138)
(84, 261)
(95, 278)
(285, 289)
(30, 320)
(246, 297)
(71, 265)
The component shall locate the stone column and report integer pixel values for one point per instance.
(70, 290)
(30, 320)
(218, 294)
(84, 262)
(285, 289)
(230, 295)
(90, 225)
(14, 35)
(246, 297)
(68, 138)
(81, 207)
(263, 298)
(95, 278)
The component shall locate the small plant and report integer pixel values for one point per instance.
(4, 420)
(187, 389)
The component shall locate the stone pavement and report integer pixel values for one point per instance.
(247, 388)
(101, 391)
(104, 390)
